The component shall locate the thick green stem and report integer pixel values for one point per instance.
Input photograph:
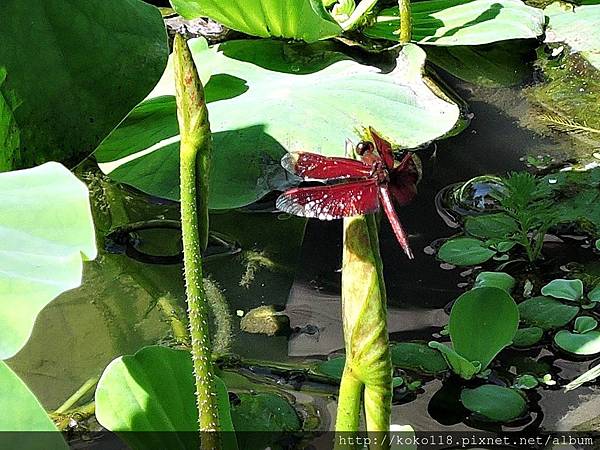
(348, 410)
(405, 32)
(358, 15)
(195, 149)
(368, 360)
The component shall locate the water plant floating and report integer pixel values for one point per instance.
(360, 186)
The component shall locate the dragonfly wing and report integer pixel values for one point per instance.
(390, 212)
(331, 202)
(313, 166)
(384, 148)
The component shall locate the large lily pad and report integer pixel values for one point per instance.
(152, 393)
(70, 71)
(21, 411)
(578, 27)
(296, 19)
(462, 22)
(45, 227)
(268, 97)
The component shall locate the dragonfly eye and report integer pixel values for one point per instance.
(364, 147)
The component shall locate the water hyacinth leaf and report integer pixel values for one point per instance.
(584, 324)
(483, 321)
(462, 22)
(500, 280)
(578, 27)
(526, 337)
(291, 19)
(418, 357)
(81, 69)
(459, 365)
(149, 398)
(526, 381)
(571, 290)
(26, 414)
(594, 294)
(285, 86)
(546, 313)
(579, 344)
(46, 229)
(496, 403)
(491, 226)
(465, 251)
(333, 367)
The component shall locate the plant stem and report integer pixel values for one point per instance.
(405, 32)
(368, 360)
(78, 395)
(195, 149)
(358, 15)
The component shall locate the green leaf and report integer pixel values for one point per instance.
(295, 19)
(46, 228)
(491, 226)
(578, 27)
(526, 337)
(269, 97)
(152, 392)
(333, 367)
(464, 251)
(597, 244)
(22, 412)
(526, 381)
(72, 71)
(571, 290)
(483, 321)
(594, 294)
(501, 64)
(584, 324)
(546, 313)
(496, 403)
(500, 280)
(459, 365)
(579, 344)
(462, 22)
(418, 357)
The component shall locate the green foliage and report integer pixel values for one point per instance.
(583, 344)
(571, 290)
(46, 228)
(333, 367)
(418, 357)
(465, 251)
(526, 337)
(495, 403)
(292, 19)
(70, 71)
(459, 365)
(152, 391)
(462, 22)
(546, 313)
(282, 84)
(583, 324)
(483, 321)
(500, 280)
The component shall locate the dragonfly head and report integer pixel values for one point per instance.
(364, 148)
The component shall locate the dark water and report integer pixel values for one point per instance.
(113, 313)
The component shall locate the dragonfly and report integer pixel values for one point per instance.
(353, 186)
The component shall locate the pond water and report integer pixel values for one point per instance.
(114, 312)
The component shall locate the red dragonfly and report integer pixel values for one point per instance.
(360, 186)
